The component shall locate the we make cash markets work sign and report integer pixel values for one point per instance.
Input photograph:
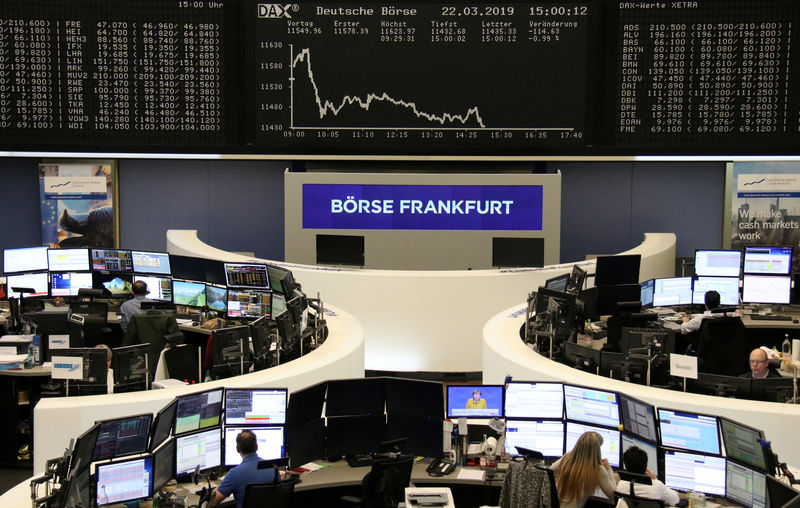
(450, 207)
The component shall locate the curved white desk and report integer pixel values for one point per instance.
(57, 420)
(504, 354)
(428, 320)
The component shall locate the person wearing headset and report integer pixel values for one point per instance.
(245, 473)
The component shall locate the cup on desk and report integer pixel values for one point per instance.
(696, 499)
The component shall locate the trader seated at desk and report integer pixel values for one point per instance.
(691, 325)
(245, 473)
(134, 305)
(635, 461)
(759, 366)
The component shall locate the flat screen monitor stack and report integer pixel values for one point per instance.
(691, 458)
(65, 284)
(727, 287)
(717, 263)
(198, 441)
(121, 437)
(249, 304)
(305, 426)
(414, 412)
(639, 428)
(672, 291)
(767, 275)
(114, 284)
(151, 262)
(534, 413)
(356, 422)
(588, 409)
(617, 280)
(36, 281)
(162, 425)
(27, 259)
(558, 283)
(231, 353)
(188, 293)
(160, 288)
(261, 411)
(111, 260)
(68, 260)
(246, 275)
(217, 298)
(127, 480)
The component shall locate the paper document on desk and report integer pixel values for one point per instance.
(16, 338)
(308, 467)
(13, 358)
(470, 474)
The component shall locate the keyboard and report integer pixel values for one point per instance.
(359, 460)
(769, 317)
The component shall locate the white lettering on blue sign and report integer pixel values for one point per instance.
(351, 205)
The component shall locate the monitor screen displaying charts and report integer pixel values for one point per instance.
(689, 431)
(68, 260)
(27, 259)
(694, 472)
(766, 289)
(672, 291)
(610, 449)
(718, 263)
(545, 436)
(534, 400)
(591, 406)
(151, 262)
(727, 287)
(768, 260)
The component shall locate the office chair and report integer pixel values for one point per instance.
(630, 498)
(182, 363)
(722, 346)
(385, 485)
(94, 329)
(269, 495)
(529, 484)
(151, 328)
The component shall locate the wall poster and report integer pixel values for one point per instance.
(765, 206)
(78, 204)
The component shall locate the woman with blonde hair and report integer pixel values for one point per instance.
(580, 471)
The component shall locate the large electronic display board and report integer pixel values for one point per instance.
(589, 77)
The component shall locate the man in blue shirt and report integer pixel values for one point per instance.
(134, 305)
(245, 473)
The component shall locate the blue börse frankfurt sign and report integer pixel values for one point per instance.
(453, 207)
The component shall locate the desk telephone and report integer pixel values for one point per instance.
(440, 467)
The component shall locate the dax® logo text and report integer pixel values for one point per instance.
(274, 11)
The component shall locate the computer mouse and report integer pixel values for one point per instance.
(795, 321)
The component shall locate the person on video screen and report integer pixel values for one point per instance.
(476, 402)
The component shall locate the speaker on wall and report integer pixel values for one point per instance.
(340, 250)
(510, 252)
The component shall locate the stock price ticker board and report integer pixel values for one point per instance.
(597, 77)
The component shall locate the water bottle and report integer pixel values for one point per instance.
(786, 349)
(29, 358)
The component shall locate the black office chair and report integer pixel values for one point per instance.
(269, 495)
(385, 485)
(722, 346)
(182, 363)
(631, 499)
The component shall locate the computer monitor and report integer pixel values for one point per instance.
(585, 358)
(766, 289)
(717, 263)
(743, 443)
(649, 448)
(620, 269)
(131, 368)
(647, 290)
(278, 303)
(475, 401)
(79, 489)
(123, 436)
(644, 337)
(672, 291)
(723, 386)
(288, 284)
(270, 443)
(275, 275)
(217, 298)
(534, 400)
(688, 431)
(298, 309)
(249, 304)
(547, 299)
(289, 334)
(215, 271)
(151, 262)
(202, 449)
(187, 267)
(26, 259)
(125, 480)
(590, 405)
(771, 389)
(779, 493)
(727, 287)
(95, 368)
(638, 418)
(306, 442)
(423, 399)
(421, 436)
(545, 436)
(355, 397)
(160, 287)
(191, 294)
(609, 296)
(162, 425)
(68, 260)
(36, 281)
(576, 280)
(355, 435)
(558, 283)
(68, 283)
(246, 275)
(118, 284)
(768, 260)
(112, 260)
(745, 485)
(263, 342)
(255, 406)
(83, 451)
(306, 405)
(231, 352)
(695, 472)
(623, 366)
(198, 411)
(163, 465)
(340, 250)
(612, 442)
